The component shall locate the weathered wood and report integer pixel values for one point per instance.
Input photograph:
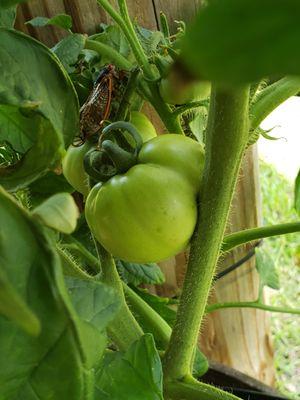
(237, 338)
(177, 10)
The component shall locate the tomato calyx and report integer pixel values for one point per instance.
(110, 158)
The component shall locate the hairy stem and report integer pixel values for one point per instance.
(107, 51)
(251, 304)
(227, 135)
(151, 93)
(190, 106)
(159, 327)
(124, 330)
(248, 235)
(69, 266)
(76, 247)
(271, 97)
(190, 389)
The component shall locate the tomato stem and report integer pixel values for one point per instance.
(107, 51)
(227, 136)
(251, 304)
(190, 389)
(159, 327)
(190, 106)
(270, 98)
(171, 121)
(124, 329)
(238, 238)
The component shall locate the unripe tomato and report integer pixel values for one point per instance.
(174, 93)
(149, 213)
(143, 125)
(182, 154)
(73, 168)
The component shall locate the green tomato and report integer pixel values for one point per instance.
(143, 125)
(172, 93)
(73, 168)
(182, 154)
(149, 213)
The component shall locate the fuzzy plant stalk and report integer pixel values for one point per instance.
(227, 136)
(124, 330)
(271, 97)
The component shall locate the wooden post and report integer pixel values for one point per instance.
(237, 338)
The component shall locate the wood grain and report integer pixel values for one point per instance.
(177, 10)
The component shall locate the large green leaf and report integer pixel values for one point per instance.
(37, 145)
(14, 308)
(58, 212)
(94, 302)
(58, 364)
(46, 186)
(31, 73)
(135, 375)
(68, 50)
(7, 17)
(297, 194)
(113, 36)
(63, 21)
(266, 269)
(242, 41)
(136, 274)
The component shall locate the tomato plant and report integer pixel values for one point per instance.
(74, 321)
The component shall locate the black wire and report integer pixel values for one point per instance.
(239, 263)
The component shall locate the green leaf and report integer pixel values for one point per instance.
(150, 40)
(58, 363)
(200, 366)
(197, 122)
(94, 302)
(63, 21)
(46, 186)
(136, 274)
(236, 41)
(59, 212)
(30, 73)
(68, 50)
(266, 269)
(9, 3)
(135, 375)
(34, 147)
(113, 36)
(7, 17)
(14, 308)
(297, 193)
